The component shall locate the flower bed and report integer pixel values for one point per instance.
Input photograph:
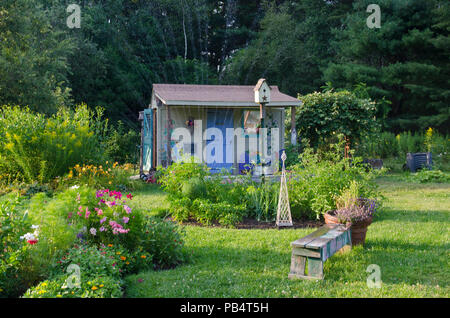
(94, 235)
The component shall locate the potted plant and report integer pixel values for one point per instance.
(354, 211)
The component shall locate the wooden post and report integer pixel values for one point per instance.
(293, 130)
(169, 137)
(155, 142)
(261, 150)
(141, 152)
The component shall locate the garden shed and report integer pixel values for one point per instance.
(197, 108)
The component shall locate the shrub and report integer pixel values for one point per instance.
(109, 220)
(323, 114)
(227, 214)
(180, 208)
(173, 177)
(107, 175)
(194, 188)
(100, 271)
(164, 241)
(387, 144)
(110, 260)
(122, 145)
(428, 176)
(35, 148)
(321, 177)
(14, 249)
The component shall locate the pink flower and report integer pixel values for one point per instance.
(127, 209)
(125, 219)
(102, 229)
(87, 213)
(103, 220)
(99, 212)
(130, 196)
(111, 203)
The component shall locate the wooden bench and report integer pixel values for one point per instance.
(316, 248)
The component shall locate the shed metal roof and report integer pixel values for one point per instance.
(218, 95)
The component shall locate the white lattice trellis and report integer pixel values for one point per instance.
(284, 217)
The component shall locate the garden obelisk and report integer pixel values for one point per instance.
(284, 217)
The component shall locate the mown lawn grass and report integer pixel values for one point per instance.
(409, 240)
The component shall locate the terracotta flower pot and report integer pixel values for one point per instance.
(358, 230)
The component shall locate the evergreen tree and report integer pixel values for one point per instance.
(406, 60)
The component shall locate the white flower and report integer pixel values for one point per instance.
(75, 187)
(29, 237)
(34, 227)
(93, 231)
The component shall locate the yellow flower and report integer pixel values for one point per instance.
(58, 296)
(123, 258)
(118, 253)
(9, 146)
(101, 285)
(94, 288)
(128, 263)
(43, 284)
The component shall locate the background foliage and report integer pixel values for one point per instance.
(125, 46)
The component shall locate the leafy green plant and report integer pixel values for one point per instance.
(322, 176)
(34, 148)
(262, 201)
(194, 188)
(14, 250)
(173, 177)
(324, 114)
(100, 286)
(164, 241)
(122, 145)
(227, 214)
(429, 176)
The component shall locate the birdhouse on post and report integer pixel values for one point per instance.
(262, 92)
(262, 97)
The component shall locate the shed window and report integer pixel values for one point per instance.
(250, 122)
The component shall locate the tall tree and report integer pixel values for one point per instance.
(291, 47)
(406, 60)
(33, 57)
